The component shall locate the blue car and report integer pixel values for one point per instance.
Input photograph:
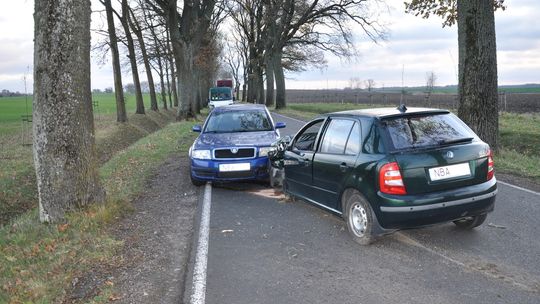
(233, 144)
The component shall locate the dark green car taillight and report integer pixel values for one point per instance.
(390, 181)
(491, 166)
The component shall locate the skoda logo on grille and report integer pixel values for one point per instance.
(450, 154)
(234, 150)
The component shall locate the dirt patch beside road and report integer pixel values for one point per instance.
(157, 240)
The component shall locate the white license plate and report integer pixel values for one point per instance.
(234, 167)
(451, 171)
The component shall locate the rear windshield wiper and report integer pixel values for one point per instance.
(455, 141)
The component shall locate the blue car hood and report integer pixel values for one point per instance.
(214, 140)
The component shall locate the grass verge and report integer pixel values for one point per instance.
(38, 262)
(18, 192)
(519, 151)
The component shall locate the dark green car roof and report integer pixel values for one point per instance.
(381, 113)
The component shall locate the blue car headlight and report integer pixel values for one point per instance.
(201, 154)
(263, 151)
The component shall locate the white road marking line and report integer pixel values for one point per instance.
(519, 188)
(198, 289)
(298, 120)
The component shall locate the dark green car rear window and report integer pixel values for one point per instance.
(425, 131)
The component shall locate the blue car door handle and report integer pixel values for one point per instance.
(343, 167)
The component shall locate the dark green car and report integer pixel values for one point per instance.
(388, 169)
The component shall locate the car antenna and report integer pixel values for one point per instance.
(402, 108)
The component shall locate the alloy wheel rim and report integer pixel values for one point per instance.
(358, 219)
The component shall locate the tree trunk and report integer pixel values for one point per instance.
(251, 92)
(168, 79)
(121, 115)
(196, 107)
(63, 145)
(260, 85)
(159, 56)
(138, 32)
(269, 66)
(280, 81)
(173, 80)
(132, 59)
(162, 82)
(478, 97)
(244, 90)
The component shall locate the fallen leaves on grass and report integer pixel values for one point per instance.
(63, 227)
(114, 297)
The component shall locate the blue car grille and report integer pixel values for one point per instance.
(234, 153)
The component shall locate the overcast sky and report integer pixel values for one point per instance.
(414, 44)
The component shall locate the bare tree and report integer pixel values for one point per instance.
(233, 60)
(64, 149)
(121, 115)
(323, 24)
(137, 30)
(170, 58)
(160, 52)
(187, 29)
(249, 21)
(355, 83)
(431, 79)
(369, 84)
(478, 97)
(125, 19)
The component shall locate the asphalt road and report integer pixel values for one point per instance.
(266, 250)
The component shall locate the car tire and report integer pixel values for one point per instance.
(196, 182)
(359, 217)
(471, 222)
(276, 177)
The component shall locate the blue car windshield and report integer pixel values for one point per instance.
(238, 121)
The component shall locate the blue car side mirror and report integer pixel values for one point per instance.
(280, 125)
(196, 128)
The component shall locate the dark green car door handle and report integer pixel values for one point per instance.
(343, 167)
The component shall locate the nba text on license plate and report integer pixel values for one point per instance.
(447, 172)
(234, 167)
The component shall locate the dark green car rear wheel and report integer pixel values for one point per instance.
(359, 217)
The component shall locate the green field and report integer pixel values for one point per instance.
(12, 108)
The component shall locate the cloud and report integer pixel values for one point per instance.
(16, 55)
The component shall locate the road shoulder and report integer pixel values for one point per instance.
(157, 237)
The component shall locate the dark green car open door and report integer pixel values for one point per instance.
(298, 159)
